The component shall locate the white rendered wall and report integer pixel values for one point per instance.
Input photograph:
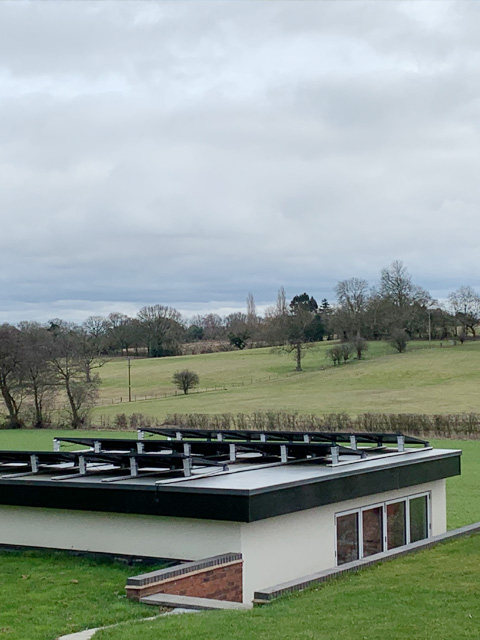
(280, 549)
(274, 550)
(182, 538)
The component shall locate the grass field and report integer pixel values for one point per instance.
(45, 594)
(422, 380)
(431, 595)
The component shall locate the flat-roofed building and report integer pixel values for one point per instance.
(290, 503)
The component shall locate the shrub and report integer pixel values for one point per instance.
(185, 380)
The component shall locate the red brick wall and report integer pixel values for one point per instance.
(222, 582)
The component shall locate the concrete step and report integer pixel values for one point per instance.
(187, 602)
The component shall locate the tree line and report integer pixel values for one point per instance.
(40, 362)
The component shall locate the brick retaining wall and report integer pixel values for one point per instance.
(218, 578)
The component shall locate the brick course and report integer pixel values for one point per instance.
(220, 582)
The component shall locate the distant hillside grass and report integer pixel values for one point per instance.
(422, 380)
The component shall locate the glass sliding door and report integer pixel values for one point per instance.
(369, 530)
(396, 524)
(372, 525)
(418, 518)
(347, 538)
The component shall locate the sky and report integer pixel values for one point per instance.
(188, 153)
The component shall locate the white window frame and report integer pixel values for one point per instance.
(359, 512)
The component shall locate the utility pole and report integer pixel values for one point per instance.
(129, 365)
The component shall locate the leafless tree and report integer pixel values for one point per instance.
(185, 380)
(163, 328)
(39, 375)
(68, 361)
(352, 296)
(12, 373)
(465, 304)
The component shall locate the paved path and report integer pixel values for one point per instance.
(89, 633)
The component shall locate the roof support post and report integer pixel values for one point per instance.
(233, 452)
(178, 435)
(283, 453)
(353, 442)
(133, 467)
(56, 445)
(34, 463)
(187, 448)
(140, 434)
(335, 454)
(263, 437)
(306, 437)
(140, 447)
(401, 443)
(82, 466)
(97, 446)
(220, 437)
(187, 467)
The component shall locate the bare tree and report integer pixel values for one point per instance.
(185, 380)
(335, 354)
(359, 345)
(68, 362)
(281, 305)
(398, 339)
(352, 296)
(163, 328)
(39, 376)
(12, 373)
(402, 304)
(465, 303)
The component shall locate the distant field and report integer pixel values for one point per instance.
(422, 380)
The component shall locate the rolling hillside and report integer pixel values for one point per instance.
(440, 379)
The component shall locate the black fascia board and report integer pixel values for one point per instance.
(237, 505)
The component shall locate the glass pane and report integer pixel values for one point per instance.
(347, 538)
(372, 520)
(396, 529)
(418, 519)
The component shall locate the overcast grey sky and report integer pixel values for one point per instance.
(187, 153)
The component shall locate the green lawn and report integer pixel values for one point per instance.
(46, 594)
(431, 595)
(423, 380)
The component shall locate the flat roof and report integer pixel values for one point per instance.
(256, 483)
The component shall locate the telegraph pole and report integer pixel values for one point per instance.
(129, 365)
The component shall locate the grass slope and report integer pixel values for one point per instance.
(47, 594)
(435, 380)
(432, 594)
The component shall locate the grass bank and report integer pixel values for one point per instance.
(432, 594)
(47, 594)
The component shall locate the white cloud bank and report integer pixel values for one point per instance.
(188, 153)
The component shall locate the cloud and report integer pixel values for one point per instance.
(187, 153)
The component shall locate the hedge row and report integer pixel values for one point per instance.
(463, 425)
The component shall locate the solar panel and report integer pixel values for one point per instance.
(180, 433)
(184, 452)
